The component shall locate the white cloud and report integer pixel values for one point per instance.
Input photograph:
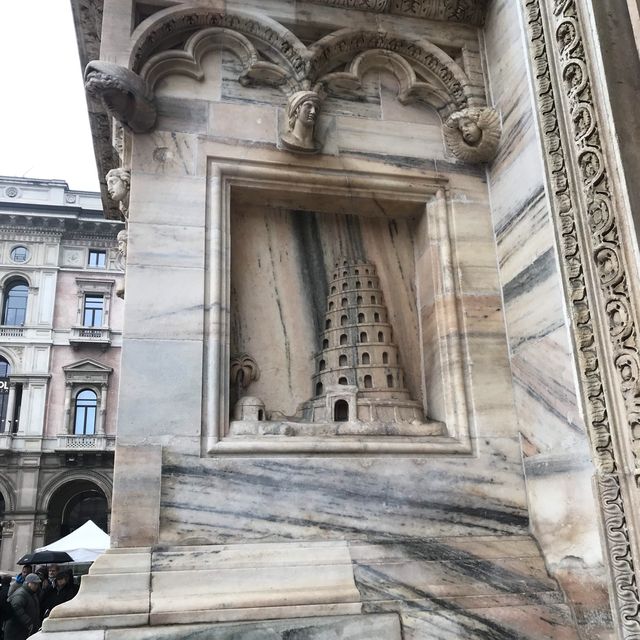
(43, 114)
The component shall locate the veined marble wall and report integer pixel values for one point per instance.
(555, 444)
(437, 532)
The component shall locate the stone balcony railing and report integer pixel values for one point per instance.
(98, 442)
(6, 441)
(81, 336)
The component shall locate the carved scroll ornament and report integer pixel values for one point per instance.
(124, 94)
(596, 216)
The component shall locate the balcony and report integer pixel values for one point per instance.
(11, 332)
(6, 441)
(101, 442)
(93, 336)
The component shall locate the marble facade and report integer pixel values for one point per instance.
(267, 142)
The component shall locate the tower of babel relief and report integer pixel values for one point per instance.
(358, 373)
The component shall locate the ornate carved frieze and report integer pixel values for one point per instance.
(123, 93)
(589, 231)
(335, 64)
(468, 11)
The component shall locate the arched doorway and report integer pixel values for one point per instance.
(72, 505)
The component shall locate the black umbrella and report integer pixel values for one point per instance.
(45, 557)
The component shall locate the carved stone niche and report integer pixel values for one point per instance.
(370, 355)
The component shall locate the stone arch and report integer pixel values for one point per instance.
(446, 78)
(73, 500)
(167, 28)
(10, 356)
(15, 275)
(100, 480)
(8, 494)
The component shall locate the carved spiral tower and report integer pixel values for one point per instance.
(358, 374)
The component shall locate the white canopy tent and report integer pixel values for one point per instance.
(84, 544)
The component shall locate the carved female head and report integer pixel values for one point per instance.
(118, 181)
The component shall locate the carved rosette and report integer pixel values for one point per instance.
(472, 135)
(124, 94)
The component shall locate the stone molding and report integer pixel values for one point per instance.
(596, 277)
(468, 11)
(335, 64)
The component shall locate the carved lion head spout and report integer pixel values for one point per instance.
(302, 114)
(472, 135)
(118, 183)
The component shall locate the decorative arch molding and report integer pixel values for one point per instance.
(8, 493)
(176, 39)
(343, 46)
(69, 477)
(15, 275)
(349, 83)
(12, 357)
(189, 61)
(168, 26)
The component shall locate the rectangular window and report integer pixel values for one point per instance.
(97, 258)
(93, 310)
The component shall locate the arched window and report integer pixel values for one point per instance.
(358, 284)
(14, 309)
(345, 274)
(319, 389)
(321, 365)
(373, 299)
(357, 271)
(343, 339)
(330, 306)
(343, 380)
(344, 302)
(369, 284)
(333, 290)
(365, 358)
(342, 361)
(390, 381)
(341, 411)
(385, 358)
(380, 336)
(359, 300)
(363, 337)
(86, 405)
(361, 317)
(343, 320)
(344, 286)
(368, 383)
(327, 324)
(325, 343)
(376, 317)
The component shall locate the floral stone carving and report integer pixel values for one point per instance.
(124, 94)
(472, 135)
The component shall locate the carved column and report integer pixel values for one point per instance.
(11, 405)
(103, 410)
(67, 407)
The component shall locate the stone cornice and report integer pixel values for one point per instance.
(465, 11)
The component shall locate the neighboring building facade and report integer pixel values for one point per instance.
(60, 338)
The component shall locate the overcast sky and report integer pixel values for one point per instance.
(44, 125)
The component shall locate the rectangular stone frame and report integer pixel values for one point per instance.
(447, 389)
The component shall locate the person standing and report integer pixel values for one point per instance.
(64, 590)
(25, 606)
(24, 572)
